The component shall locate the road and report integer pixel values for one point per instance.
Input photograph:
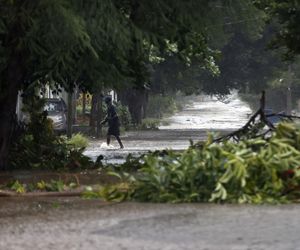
(93, 225)
(202, 115)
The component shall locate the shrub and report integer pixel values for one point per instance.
(124, 115)
(149, 123)
(78, 141)
(39, 147)
(159, 105)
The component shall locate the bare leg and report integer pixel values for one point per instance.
(108, 140)
(119, 141)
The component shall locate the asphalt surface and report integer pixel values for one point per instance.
(61, 224)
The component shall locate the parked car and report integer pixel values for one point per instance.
(57, 112)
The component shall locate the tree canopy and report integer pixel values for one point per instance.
(97, 43)
(287, 14)
(116, 44)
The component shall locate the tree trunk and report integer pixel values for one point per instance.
(93, 114)
(136, 100)
(8, 103)
(70, 115)
(11, 80)
(7, 126)
(74, 102)
(83, 103)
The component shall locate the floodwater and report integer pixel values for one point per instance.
(211, 114)
(203, 115)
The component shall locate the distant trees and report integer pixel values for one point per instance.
(287, 14)
(286, 42)
(237, 43)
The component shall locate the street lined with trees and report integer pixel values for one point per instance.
(99, 44)
(147, 52)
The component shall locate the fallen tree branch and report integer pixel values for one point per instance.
(253, 127)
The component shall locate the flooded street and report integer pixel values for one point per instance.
(208, 113)
(202, 115)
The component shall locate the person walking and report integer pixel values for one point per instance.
(113, 122)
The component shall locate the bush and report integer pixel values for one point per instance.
(124, 115)
(159, 105)
(78, 141)
(149, 124)
(250, 171)
(39, 147)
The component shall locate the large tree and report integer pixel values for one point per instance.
(38, 39)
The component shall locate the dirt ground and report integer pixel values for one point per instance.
(74, 223)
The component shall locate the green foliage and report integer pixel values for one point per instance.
(159, 106)
(17, 187)
(78, 141)
(104, 42)
(245, 64)
(115, 193)
(107, 43)
(149, 124)
(287, 14)
(51, 186)
(48, 40)
(39, 147)
(124, 115)
(251, 171)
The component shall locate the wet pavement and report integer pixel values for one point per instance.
(202, 116)
(88, 225)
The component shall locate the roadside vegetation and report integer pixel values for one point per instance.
(249, 171)
(38, 147)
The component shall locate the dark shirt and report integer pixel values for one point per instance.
(112, 117)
